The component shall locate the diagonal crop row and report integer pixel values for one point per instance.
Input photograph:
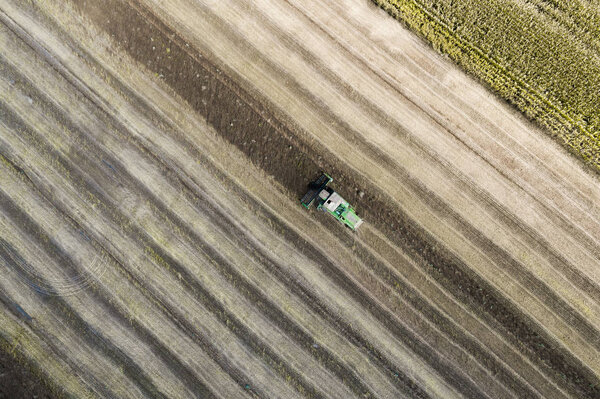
(217, 99)
(569, 113)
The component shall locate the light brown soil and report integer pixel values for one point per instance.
(418, 295)
(271, 146)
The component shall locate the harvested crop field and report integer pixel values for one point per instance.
(540, 55)
(152, 243)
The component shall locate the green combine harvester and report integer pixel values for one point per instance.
(331, 202)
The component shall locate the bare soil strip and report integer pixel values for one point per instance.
(213, 282)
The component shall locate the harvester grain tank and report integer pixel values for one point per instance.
(327, 200)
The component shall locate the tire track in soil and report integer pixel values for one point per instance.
(113, 162)
(356, 294)
(74, 173)
(154, 296)
(130, 181)
(166, 355)
(218, 219)
(181, 75)
(71, 318)
(251, 293)
(139, 236)
(203, 204)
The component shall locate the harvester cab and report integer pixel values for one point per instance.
(327, 200)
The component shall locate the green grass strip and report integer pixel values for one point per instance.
(518, 63)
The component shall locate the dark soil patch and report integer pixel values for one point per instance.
(18, 381)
